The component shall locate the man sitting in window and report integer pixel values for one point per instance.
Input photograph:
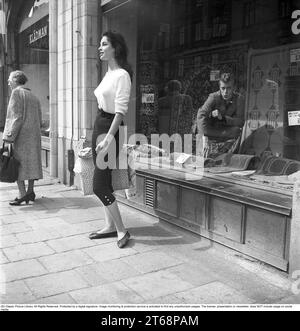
(221, 119)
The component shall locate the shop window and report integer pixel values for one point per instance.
(184, 83)
(285, 8)
(181, 36)
(34, 54)
(198, 31)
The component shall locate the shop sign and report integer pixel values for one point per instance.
(294, 118)
(148, 98)
(215, 75)
(38, 34)
(295, 55)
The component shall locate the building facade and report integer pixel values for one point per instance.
(191, 43)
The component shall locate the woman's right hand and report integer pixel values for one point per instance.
(101, 146)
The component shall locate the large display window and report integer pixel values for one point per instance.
(227, 73)
(33, 54)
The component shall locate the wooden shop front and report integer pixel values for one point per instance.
(245, 218)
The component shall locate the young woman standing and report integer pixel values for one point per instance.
(113, 96)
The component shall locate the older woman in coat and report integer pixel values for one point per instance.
(22, 129)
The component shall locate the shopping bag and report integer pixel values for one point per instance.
(9, 165)
(84, 167)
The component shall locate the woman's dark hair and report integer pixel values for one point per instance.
(121, 50)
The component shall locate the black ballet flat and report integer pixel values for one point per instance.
(95, 235)
(124, 241)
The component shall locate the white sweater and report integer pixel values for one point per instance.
(113, 93)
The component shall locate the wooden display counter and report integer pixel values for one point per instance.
(247, 218)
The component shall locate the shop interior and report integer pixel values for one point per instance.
(184, 50)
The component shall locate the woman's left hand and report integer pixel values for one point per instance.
(101, 146)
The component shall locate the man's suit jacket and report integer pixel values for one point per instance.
(233, 113)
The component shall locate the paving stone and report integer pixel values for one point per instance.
(91, 226)
(56, 202)
(29, 209)
(46, 223)
(291, 300)
(65, 261)
(73, 194)
(9, 229)
(93, 206)
(81, 216)
(213, 293)
(41, 212)
(54, 284)
(36, 236)
(107, 272)
(151, 232)
(4, 204)
(228, 272)
(195, 275)
(64, 229)
(142, 246)
(22, 270)
(3, 258)
(27, 252)
(157, 285)
(63, 299)
(151, 261)
(8, 241)
(108, 252)
(67, 244)
(16, 293)
(11, 219)
(116, 293)
(248, 283)
(6, 211)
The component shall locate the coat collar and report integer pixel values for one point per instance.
(22, 88)
(230, 102)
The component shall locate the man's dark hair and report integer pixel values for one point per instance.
(174, 86)
(227, 77)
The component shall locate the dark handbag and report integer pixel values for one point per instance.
(120, 179)
(9, 166)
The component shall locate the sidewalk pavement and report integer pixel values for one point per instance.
(47, 258)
